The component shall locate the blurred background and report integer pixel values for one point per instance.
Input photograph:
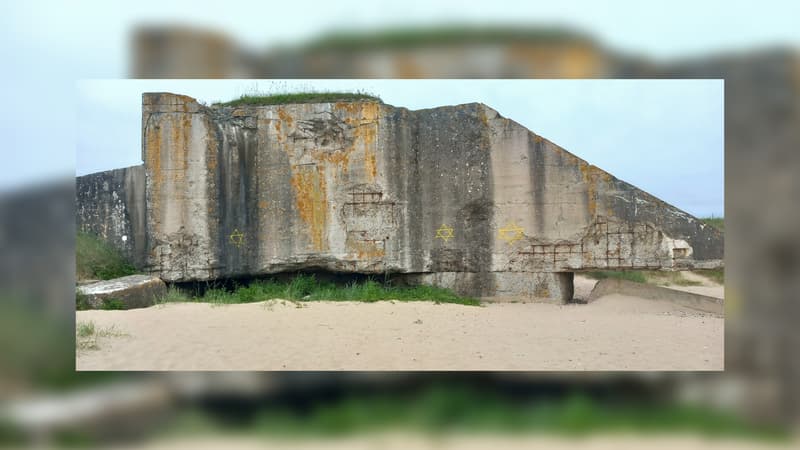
(48, 47)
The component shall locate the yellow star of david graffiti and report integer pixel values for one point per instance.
(510, 233)
(237, 238)
(444, 233)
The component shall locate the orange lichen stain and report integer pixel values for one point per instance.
(263, 204)
(284, 116)
(593, 176)
(339, 158)
(211, 149)
(366, 134)
(182, 141)
(165, 158)
(363, 117)
(351, 108)
(370, 163)
(153, 161)
(537, 138)
(311, 201)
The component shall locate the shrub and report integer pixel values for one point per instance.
(96, 259)
(112, 304)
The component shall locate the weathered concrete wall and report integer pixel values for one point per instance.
(371, 188)
(111, 205)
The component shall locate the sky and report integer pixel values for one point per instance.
(47, 46)
(663, 136)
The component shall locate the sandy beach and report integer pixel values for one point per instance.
(613, 333)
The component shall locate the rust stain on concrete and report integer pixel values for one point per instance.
(593, 176)
(286, 117)
(366, 250)
(211, 149)
(339, 158)
(371, 165)
(311, 201)
(153, 165)
(365, 115)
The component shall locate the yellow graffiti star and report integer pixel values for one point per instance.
(510, 233)
(444, 233)
(237, 238)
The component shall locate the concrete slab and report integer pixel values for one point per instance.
(133, 291)
(685, 299)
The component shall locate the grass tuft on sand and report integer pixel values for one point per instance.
(86, 335)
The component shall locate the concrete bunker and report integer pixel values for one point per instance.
(456, 196)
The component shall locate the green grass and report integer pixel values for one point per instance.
(309, 288)
(85, 329)
(174, 295)
(649, 276)
(716, 222)
(86, 335)
(97, 260)
(81, 302)
(300, 97)
(112, 304)
(717, 275)
(669, 278)
(632, 275)
(457, 408)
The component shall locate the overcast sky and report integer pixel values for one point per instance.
(663, 136)
(49, 45)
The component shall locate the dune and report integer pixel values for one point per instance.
(615, 332)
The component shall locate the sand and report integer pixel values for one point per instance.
(613, 333)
